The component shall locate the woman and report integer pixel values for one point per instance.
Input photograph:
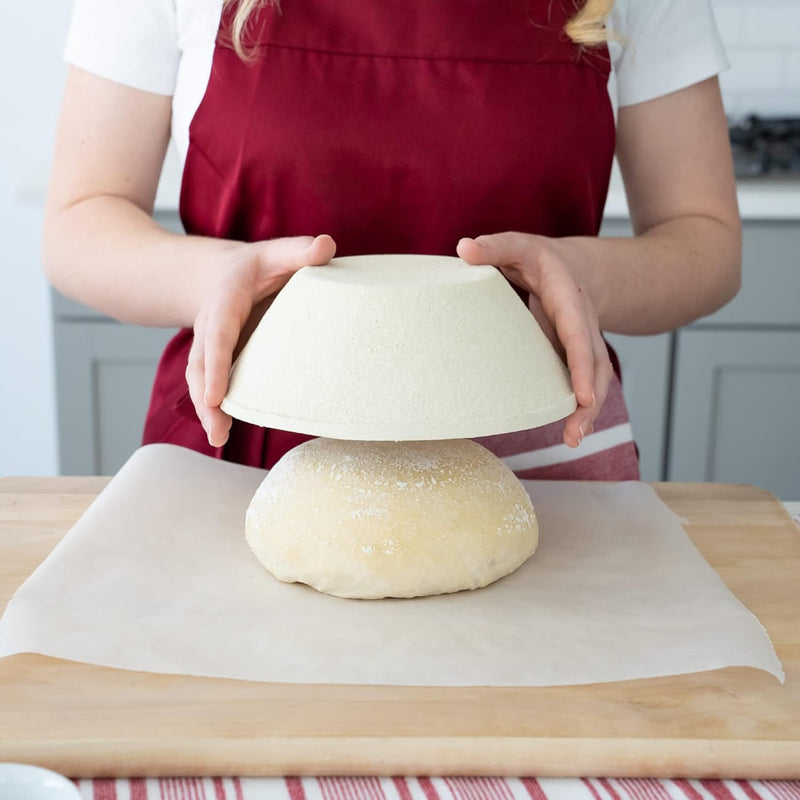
(475, 127)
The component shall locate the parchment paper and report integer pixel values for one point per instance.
(157, 576)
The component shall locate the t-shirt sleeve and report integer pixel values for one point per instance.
(133, 42)
(664, 45)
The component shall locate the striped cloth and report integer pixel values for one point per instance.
(439, 788)
(608, 453)
(434, 789)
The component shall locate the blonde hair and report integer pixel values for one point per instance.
(586, 28)
(244, 8)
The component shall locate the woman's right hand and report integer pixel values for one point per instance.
(256, 272)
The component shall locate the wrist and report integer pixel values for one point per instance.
(243, 268)
(581, 257)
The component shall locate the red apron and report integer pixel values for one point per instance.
(397, 127)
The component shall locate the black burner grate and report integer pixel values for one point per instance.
(766, 146)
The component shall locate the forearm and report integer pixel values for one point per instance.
(108, 253)
(672, 274)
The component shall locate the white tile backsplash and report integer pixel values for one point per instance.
(792, 71)
(729, 22)
(752, 69)
(771, 25)
(762, 39)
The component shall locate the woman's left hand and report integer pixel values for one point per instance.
(562, 306)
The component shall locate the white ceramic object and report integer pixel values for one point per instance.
(26, 782)
(399, 347)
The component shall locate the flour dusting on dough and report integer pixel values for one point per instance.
(391, 519)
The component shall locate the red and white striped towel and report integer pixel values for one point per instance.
(608, 453)
(435, 789)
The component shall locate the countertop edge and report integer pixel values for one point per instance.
(759, 199)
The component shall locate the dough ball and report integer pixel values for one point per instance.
(391, 519)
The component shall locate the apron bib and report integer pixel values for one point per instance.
(399, 127)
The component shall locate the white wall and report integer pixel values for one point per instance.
(30, 88)
(763, 37)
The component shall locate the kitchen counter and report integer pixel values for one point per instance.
(759, 198)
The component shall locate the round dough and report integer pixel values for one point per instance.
(391, 519)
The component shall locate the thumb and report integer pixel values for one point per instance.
(279, 256)
(498, 249)
(320, 251)
(474, 251)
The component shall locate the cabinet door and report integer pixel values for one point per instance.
(645, 364)
(104, 373)
(735, 409)
(770, 277)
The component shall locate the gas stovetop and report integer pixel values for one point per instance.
(766, 147)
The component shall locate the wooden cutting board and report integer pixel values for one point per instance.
(92, 721)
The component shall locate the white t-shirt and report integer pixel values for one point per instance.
(167, 46)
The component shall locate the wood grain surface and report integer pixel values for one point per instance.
(89, 721)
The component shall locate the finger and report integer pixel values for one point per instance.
(603, 375)
(497, 249)
(280, 258)
(581, 422)
(253, 321)
(536, 309)
(509, 250)
(226, 317)
(575, 335)
(219, 426)
(195, 379)
(574, 325)
(321, 250)
(520, 276)
(521, 259)
(568, 320)
(215, 422)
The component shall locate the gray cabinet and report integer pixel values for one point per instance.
(770, 293)
(104, 371)
(719, 400)
(736, 406)
(736, 380)
(645, 364)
